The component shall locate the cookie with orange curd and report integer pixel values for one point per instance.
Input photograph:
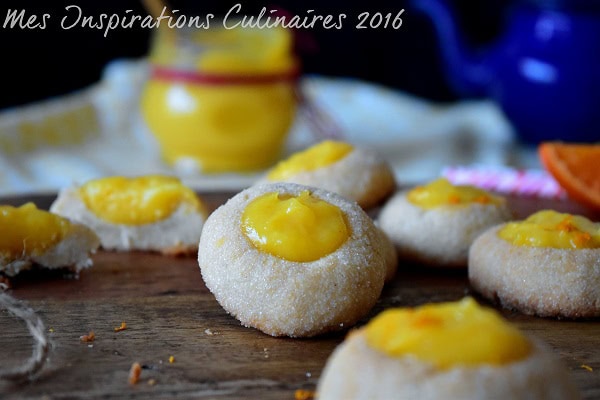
(456, 350)
(37, 238)
(354, 172)
(148, 213)
(547, 265)
(293, 260)
(436, 223)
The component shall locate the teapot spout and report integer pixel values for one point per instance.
(465, 72)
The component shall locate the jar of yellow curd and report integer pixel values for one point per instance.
(221, 99)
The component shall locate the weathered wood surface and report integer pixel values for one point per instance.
(169, 312)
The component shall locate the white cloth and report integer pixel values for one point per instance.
(98, 132)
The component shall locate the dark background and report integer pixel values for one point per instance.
(38, 64)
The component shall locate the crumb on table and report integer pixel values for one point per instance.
(134, 373)
(90, 337)
(122, 327)
(302, 394)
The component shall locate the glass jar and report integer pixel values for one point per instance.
(223, 99)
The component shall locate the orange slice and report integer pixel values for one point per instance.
(576, 167)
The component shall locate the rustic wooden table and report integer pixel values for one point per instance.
(169, 312)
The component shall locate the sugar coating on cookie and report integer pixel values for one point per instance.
(455, 350)
(31, 236)
(435, 224)
(391, 256)
(288, 293)
(547, 265)
(150, 213)
(354, 172)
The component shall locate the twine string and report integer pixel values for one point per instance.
(37, 330)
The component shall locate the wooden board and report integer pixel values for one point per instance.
(169, 312)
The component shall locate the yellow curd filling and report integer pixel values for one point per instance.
(136, 201)
(448, 335)
(296, 228)
(26, 230)
(315, 157)
(549, 228)
(441, 192)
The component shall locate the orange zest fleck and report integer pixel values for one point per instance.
(122, 327)
(483, 199)
(424, 321)
(90, 337)
(575, 168)
(566, 224)
(134, 373)
(582, 238)
(453, 199)
(302, 394)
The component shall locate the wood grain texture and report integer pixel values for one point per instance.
(169, 312)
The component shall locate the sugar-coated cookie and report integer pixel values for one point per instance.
(354, 172)
(435, 224)
(292, 260)
(148, 213)
(31, 236)
(548, 265)
(443, 351)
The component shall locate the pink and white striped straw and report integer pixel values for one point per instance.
(523, 182)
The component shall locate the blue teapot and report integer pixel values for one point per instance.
(544, 71)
